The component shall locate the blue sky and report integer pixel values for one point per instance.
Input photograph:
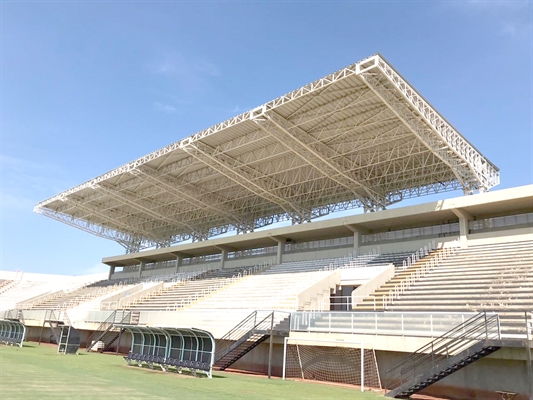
(89, 86)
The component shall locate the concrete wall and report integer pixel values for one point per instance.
(249, 261)
(370, 287)
(500, 236)
(405, 245)
(317, 254)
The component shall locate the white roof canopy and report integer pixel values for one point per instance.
(360, 137)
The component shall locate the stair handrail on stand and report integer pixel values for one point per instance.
(419, 273)
(248, 334)
(462, 345)
(116, 317)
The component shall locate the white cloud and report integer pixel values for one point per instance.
(496, 5)
(509, 28)
(165, 68)
(191, 73)
(239, 110)
(18, 163)
(25, 182)
(514, 28)
(176, 66)
(513, 17)
(166, 108)
(13, 202)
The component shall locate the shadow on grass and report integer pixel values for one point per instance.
(183, 372)
(28, 345)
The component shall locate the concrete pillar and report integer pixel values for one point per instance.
(179, 262)
(111, 272)
(356, 241)
(357, 236)
(281, 249)
(223, 258)
(463, 232)
(464, 217)
(141, 268)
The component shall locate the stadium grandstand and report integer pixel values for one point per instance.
(433, 298)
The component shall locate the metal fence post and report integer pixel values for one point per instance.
(271, 345)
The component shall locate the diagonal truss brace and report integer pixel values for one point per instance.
(187, 193)
(318, 155)
(246, 176)
(146, 208)
(130, 242)
(96, 211)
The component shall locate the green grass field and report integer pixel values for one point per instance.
(38, 372)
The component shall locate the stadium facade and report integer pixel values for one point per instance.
(456, 272)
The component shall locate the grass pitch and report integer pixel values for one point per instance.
(38, 372)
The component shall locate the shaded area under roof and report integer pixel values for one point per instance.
(488, 205)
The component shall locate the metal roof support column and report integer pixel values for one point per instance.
(281, 250)
(356, 241)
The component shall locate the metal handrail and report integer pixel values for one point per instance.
(262, 320)
(419, 273)
(482, 326)
(107, 324)
(239, 331)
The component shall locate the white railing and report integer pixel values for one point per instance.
(417, 255)
(378, 323)
(419, 273)
(346, 302)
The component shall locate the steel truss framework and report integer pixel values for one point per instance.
(360, 137)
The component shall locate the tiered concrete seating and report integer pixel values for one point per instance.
(184, 293)
(276, 288)
(23, 290)
(309, 265)
(390, 258)
(496, 277)
(4, 283)
(64, 300)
